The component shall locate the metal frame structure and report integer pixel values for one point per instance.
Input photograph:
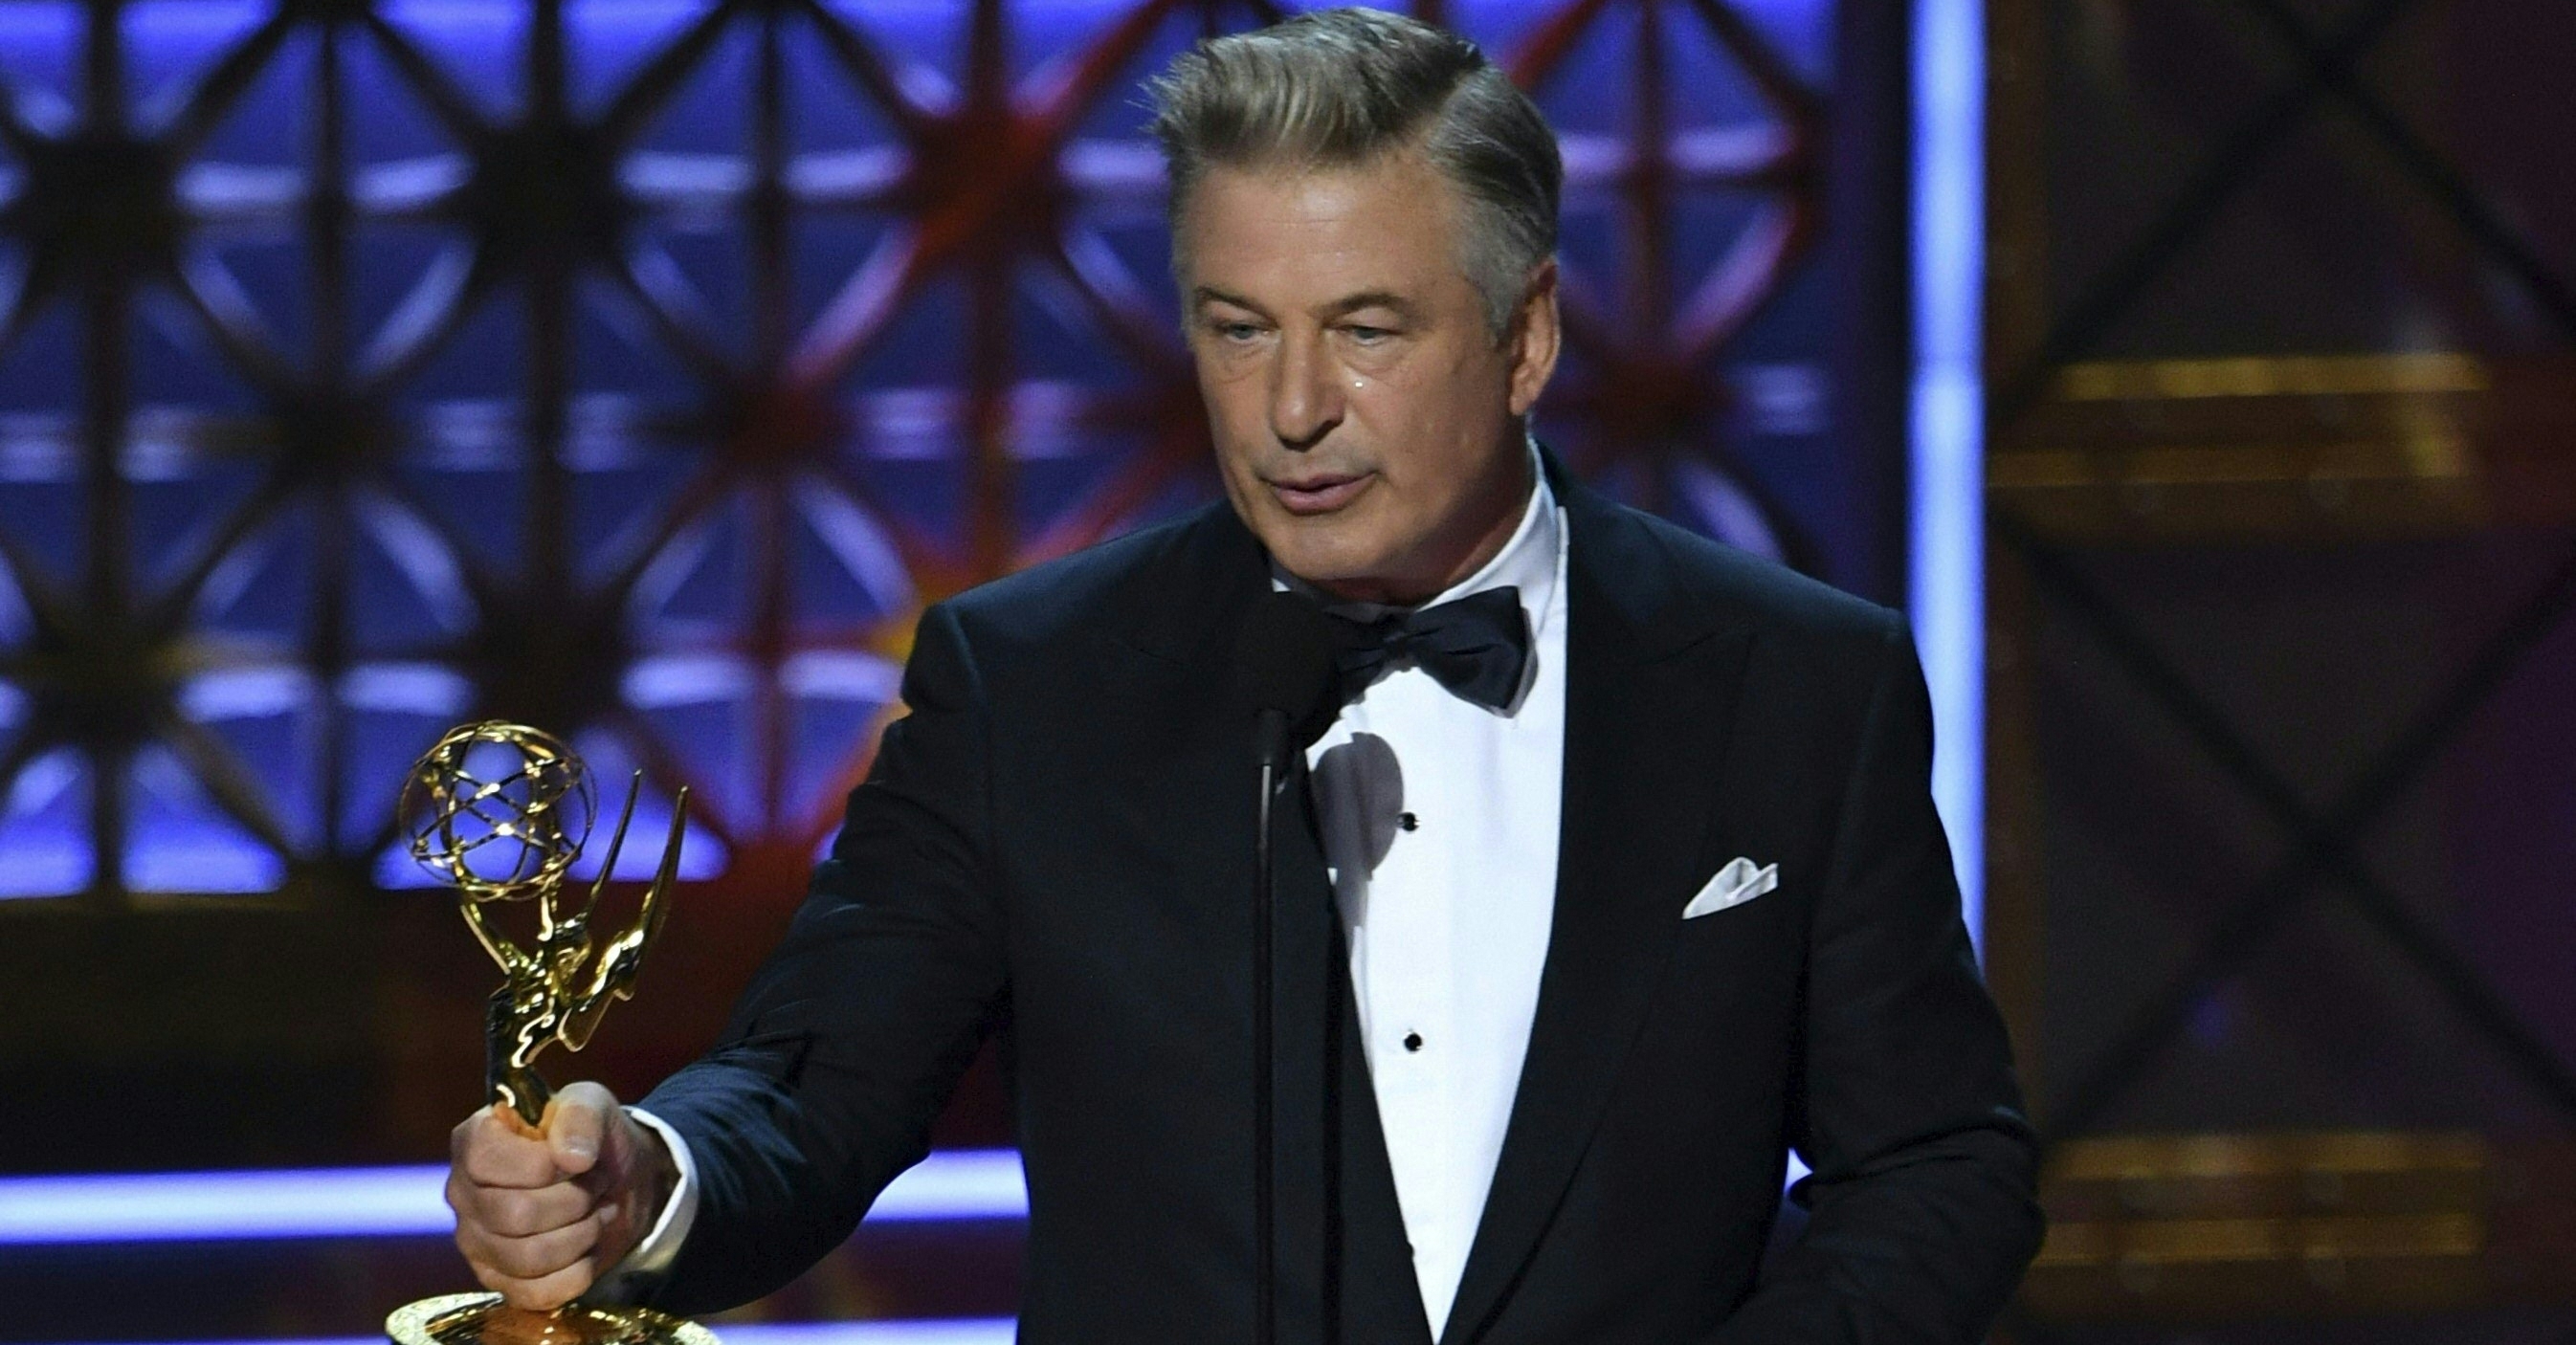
(2078, 460)
(550, 214)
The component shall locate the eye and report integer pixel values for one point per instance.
(1236, 332)
(1367, 335)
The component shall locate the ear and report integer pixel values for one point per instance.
(1533, 337)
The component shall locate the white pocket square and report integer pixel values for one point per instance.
(1739, 882)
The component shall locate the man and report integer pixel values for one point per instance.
(1628, 836)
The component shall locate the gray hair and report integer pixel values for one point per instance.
(1343, 87)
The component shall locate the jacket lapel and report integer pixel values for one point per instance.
(1376, 1296)
(1651, 677)
(1190, 599)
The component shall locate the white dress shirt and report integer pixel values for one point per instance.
(625, 1281)
(1439, 820)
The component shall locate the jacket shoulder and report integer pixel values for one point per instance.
(1775, 601)
(1152, 572)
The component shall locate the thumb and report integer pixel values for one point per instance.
(575, 1123)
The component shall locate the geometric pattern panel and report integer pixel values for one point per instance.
(2245, 178)
(641, 369)
(2282, 477)
(2387, 978)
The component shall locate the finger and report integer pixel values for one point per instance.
(543, 1294)
(490, 1153)
(623, 1145)
(513, 1213)
(530, 1258)
(575, 1122)
(486, 1218)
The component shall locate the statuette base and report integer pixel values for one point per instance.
(483, 1319)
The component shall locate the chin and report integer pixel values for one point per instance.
(1318, 560)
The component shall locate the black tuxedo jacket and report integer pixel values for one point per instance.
(1055, 846)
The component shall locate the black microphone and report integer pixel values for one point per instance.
(1283, 657)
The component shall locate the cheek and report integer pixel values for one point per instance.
(1233, 404)
(1367, 364)
(1434, 429)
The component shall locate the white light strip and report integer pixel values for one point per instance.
(953, 1331)
(1947, 531)
(977, 1331)
(394, 1202)
(956, 1184)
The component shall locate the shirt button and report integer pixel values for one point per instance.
(1413, 1041)
(1408, 821)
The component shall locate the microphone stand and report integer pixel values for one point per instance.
(1337, 973)
(1272, 741)
(1272, 734)
(1285, 654)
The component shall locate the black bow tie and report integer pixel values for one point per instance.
(1477, 646)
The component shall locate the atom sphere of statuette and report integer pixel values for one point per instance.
(498, 811)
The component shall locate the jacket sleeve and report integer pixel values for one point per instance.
(1921, 1202)
(849, 1040)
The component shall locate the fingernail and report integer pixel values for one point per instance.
(581, 1149)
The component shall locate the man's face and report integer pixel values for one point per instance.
(1367, 424)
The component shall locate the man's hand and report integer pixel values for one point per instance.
(542, 1213)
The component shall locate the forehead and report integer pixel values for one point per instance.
(1316, 232)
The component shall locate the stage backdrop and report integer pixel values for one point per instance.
(2281, 343)
(640, 369)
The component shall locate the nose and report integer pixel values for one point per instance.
(1305, 394)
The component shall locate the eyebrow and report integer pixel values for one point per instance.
(1353, 303)
(1347, 304)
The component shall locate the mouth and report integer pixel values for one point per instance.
(1323, 493)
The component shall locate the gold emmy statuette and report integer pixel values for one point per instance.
(499, 812)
